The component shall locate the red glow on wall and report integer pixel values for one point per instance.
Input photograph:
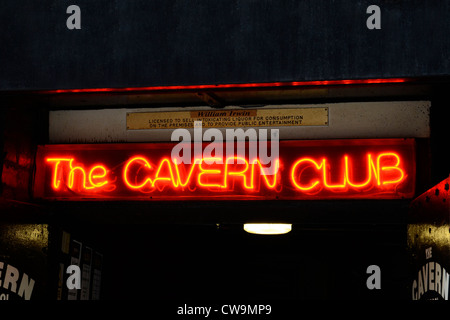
(233, 86)
(328, 169)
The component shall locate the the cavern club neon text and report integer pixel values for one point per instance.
(303, 170)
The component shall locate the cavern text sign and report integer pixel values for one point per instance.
(317, 169)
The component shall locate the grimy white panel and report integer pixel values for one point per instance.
(393, 119)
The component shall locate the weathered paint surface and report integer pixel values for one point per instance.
(165, 43)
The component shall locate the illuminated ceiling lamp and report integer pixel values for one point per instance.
(268, 228)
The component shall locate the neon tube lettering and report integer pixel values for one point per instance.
(264, 174)
(97, 176)
(389, 168)
(307, 175)
(58, 170)
(382, 172)
(294, 167)
(125, 172)
(208, 171)
(188, 178)
(158, 172)
(370, 168)
(240, 173)
(327, 175)
(173, 175)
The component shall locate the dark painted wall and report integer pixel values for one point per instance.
(165, 42)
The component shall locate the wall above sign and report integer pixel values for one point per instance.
(316, 169)
(347, 120)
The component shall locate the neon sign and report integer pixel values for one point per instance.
(320, 169)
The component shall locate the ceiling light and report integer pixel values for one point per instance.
(268, 228)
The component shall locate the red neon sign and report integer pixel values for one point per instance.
(320, 169)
